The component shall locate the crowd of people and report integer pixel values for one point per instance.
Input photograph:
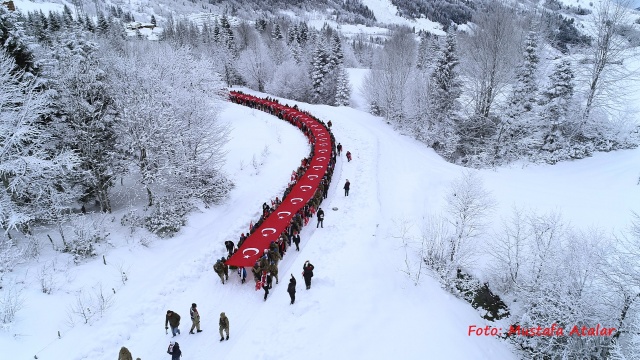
(265, 270)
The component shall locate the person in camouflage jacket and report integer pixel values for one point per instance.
(222, 270)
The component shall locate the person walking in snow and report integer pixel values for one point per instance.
(124, 354)
(224, 326)
(329, 124)
(266, 286)
(348, 156)
(346, 187)
(307, 273)
(174, 351)
(173, 319)
(320, 218)
(291, 289)
(221, 269)
(229, 245)
(296, 240)
(195, 318)
(339, 148)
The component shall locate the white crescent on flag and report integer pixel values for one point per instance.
(317, 167)
(256, 252)
(312, 177)
(295, 201)
(270, 230)
(305, 188)
(281, 216)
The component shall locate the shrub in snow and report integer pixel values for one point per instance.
(168, 216)
(10, 303)
(86, 233)
(10, 256)
(480, 296)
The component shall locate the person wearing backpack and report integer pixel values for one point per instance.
(174, 351)
(291, 289)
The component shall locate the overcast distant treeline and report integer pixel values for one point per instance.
(83, 109)
(513, 86)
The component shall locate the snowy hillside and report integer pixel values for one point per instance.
(361, 303)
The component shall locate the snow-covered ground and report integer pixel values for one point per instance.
(361, 305)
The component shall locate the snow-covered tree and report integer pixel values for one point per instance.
(444, 108)
(386, 85)
(256, 66)
(495, 44)
(516, 125)
(34, 177)
(291, 80)
(343, 88)
(555, 105)
(16, 43)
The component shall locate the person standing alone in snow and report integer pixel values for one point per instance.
(291, 289)
(224, 325)
(320, 218)
(173, 319)
(307, 273)
(347, 185)
(195, 318)
(339, 148)
(348, 156)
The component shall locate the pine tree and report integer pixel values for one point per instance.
(303, 34)
(67, 16)
(423, 48)
(446, 88)
(515, 124)
(103, 23)
(15, 41)
(88, 24)
(276, 34)
(337, 55)
(343, 89)
(319, 70)
(555, 105)
(55, 23)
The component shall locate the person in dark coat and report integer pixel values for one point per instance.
(291, 289)
(320, 218)
(296, 240)
(175, 352)
(266, 287)
(307, 273)
(339, 148)
(173, 319)
(229, 245)
(347, 185)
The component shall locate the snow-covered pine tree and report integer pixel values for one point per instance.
(103, 23)
(16, 43)
(276, 33)
(336, 56)
(556, 101)
(319, 70)
(516, 128)
(343, 88)
(446, 88)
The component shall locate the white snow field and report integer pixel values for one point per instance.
(360, 305)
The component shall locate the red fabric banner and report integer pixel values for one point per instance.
(305, 188)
